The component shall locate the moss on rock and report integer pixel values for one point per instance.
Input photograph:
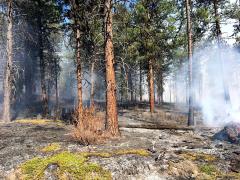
(75, 165)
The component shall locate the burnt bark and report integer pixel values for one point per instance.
(8, 70)
(191, 121)
(111, 102)
(151, 85)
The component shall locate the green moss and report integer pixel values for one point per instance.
(209, 169)
(69, 163)
(74, 164)
(51, 147)
(214, 173)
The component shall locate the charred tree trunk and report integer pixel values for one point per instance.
(191, 121)
(151, 86)
(111, 102)
(219, 34)
(44, 96)
(8, 69)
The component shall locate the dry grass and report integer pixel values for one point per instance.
(39, 121)
(91, 130)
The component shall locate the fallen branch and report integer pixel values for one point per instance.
(160, 127)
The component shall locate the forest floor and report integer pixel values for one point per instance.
(173, 154)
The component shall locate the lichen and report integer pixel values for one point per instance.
(75, 165)
(51, 147)
(39, 121)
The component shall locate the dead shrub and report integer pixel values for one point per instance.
(91, 130)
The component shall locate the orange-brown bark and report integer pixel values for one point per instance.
(151, 86)
(111, 102)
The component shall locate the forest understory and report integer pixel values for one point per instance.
(139, 153)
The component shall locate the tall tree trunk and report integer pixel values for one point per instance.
(130, 85)
(191, 121)
(28, 75)
(75, 6)
(79, 77)
(151, 86)
(160, 87)
(111, 102)
(56, 91)
(92, 83)
(44, 96)
(127, 84)
(140, 83)
(8, 69)
(219, 34)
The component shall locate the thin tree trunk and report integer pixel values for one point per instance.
(191, 121)
(127, 85)
(79, 77)
(131, 86)
(8, 70)
(92, 84)
(56, 91)
(151, 86)
(160, 87)
(140, 84)
(44, 96)
(111, 102)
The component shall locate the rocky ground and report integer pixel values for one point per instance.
(173, 154)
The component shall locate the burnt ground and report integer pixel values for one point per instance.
(174, 154)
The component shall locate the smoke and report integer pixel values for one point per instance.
(216, 84)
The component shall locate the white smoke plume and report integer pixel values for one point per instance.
(216, 71)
